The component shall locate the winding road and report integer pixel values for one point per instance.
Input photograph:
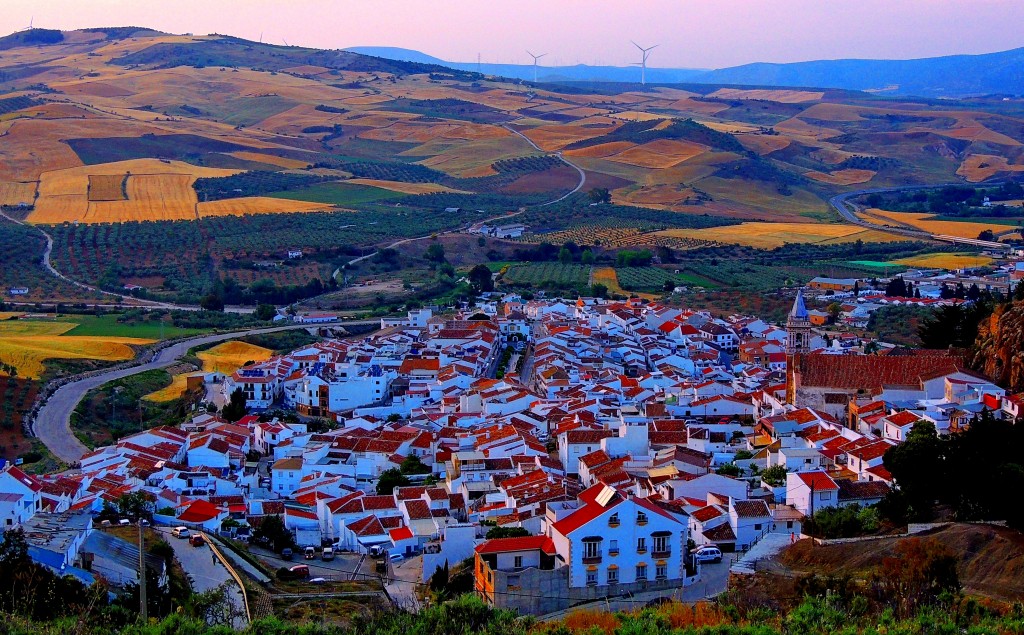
(53, 422)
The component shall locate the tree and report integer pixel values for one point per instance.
(987, 234)
(587, 257)
(599, 290)
(389, 480)
(133, 506)
(834, 310)
(775, 475)
(212, 302)
(480, 279)
(729, 469)
(413, 465)
(435, 253)
(668, 286)
(565, 256)
(506, 532)
(856, 288)
(274, 534)
(599, 195)
(265, 312)
(235, 408)
(918, 467)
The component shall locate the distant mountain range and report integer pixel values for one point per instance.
(949, 76)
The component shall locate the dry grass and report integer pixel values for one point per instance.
(28, 344)
(601, 150)
(978, 167)
(842, 177)
(404, 188)
(270, 159)
(150, 197)
(946, 261)
(106, 187)
(772, 235)
(15, 192)
(230, 356)
(608, 277)
(592, 621)
(663, 153)
(763, 144)
(257, 205)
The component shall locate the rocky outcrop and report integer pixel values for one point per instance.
(999, 349)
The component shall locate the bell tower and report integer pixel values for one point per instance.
(798, 327)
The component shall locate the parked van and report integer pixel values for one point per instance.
(286, 553)
(300, 571)
(309, 553)
(327, 553)
(708, 554)
(180, 532)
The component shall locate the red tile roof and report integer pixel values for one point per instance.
(818, 481)
(872, 372)
(525, 543)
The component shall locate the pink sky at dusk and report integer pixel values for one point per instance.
(691, 33)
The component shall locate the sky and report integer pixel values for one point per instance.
(690, 33)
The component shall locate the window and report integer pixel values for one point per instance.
(789, 524)
(518, 562)
(513, 582)
(641, 518)
(826, 496)
(757, 527)
(660, 545)
(613, 548)
(641, 545)
(613, 520)
(641, 571)
(613, 575)
(661, 572)
(592, 578)
(591, 550)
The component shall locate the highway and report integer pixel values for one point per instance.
(53, 423)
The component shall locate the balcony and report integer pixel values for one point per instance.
(613, 552)
(641, 520)
(613, 522)
(592, 559)
(660, 555)
(641, 549)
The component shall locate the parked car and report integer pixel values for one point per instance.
(286, 553)
(377, 551)
(309, 553)
(300, 571)
(196, 540)
(708, 554)
(396, 557)
(180, 532)
(327, 553)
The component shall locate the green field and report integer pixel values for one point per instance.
(652, 279)
(871, 263)
(548, 274)
(108, 326)
(338, 194)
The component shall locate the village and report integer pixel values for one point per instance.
(617, 448)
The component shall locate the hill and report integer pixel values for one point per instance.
(949, 76)
(990, 559)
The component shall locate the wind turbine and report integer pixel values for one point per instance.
(535, 58)
(30, 22)
(285, 42)
(645, 53)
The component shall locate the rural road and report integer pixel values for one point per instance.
(53, 423)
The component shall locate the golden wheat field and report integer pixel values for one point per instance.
(946, 261)
(177, 388)
(922, 220)
(763, 144)
(772, 235)
(404, 188)
(28, 344)
(258, 205)
(663, 153)
(601, 150)
(15, 192)
(230, 356)
(608, 277)
(106, 187)
(157, 190)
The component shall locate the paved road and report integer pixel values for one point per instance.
(204, 571)
(53, 424)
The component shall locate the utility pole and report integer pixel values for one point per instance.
(142, 577)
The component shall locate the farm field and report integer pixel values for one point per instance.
(978, 167)
(609, 278)
(171, 392)
(29, 344)
(946, 261)
(258, 205)
(772, 235)
(15, 193)
(230, 356)
(554, 273)
(923, 220)
(340, 193)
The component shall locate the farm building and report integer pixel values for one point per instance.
(832, 284)
(316, 318)
(18, 291)
(294, 253)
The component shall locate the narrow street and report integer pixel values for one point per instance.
(204, 571)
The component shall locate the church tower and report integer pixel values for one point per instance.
(798, 341)
(798, 327)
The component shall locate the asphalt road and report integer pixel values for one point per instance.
(204, 571)
(53, 424)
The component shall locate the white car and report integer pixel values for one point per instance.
(396, 557)
(180, 532)
(708, 554)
